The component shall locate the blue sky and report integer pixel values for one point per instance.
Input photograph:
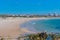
(29, 6)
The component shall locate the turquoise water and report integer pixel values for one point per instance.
(48, 25)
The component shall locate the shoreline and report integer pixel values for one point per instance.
(10, 26)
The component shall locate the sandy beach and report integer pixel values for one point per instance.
(10, 27)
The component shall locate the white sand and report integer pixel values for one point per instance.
(10, 27)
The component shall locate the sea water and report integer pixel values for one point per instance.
(48, 25)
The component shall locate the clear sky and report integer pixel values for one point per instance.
(29, 6)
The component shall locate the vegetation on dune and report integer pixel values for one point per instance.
(42, 36)
(37, 36)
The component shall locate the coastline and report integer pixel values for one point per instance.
(9, 27)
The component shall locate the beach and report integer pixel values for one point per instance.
(10, 27)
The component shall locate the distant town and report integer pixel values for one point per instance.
(48, 15)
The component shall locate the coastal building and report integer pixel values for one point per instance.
(50, 15)
(53, 15)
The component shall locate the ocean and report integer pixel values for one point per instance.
(43, 25)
